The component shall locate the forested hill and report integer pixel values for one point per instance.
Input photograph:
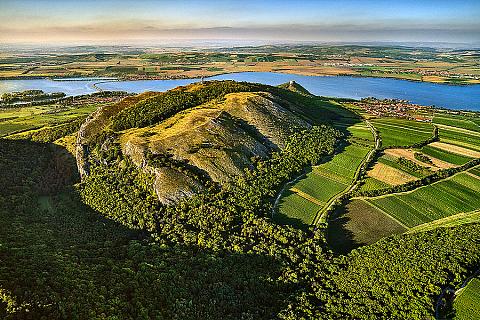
(116, 245)
(188, 138)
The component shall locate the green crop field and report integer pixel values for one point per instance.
(445, 155)
(360, 224)
(467, 304)
(344, 164)
(470, 140)
(391, 161)
(400, 132)
(439, 200)
(373, 184)
(292, 206)
(360, 131)
(457, 121)
(475, 171)
(36, 117)
(324, 182)
(452, 221)
(313, 186)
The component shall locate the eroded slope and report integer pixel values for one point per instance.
(185, 150)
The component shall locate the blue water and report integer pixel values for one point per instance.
(424, 93)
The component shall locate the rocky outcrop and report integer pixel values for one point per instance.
(215, 141)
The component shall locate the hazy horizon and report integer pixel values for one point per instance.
(141, 22)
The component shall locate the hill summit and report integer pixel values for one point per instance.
(192, 136)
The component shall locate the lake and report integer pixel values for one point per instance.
(424, 93)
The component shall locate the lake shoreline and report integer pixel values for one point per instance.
(183, 77)
(452, 97)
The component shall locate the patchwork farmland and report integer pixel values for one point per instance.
(364, 219)
(451, 196)
(320, 185)
(400, 132)
(400, 165)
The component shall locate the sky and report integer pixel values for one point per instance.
(149, 21)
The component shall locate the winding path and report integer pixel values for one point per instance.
(277, 199)
(322, 214)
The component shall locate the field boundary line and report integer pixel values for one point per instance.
(460, 199)
(322, 174)
(441, 221)
(419, 213)
(420, 187)
(458, 129)
(386, 214)
(321, 214)
(397, 127)
(461, 144)
(308, 197)
(280, 193)
(472, 174)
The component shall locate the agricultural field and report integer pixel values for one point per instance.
(28, 118)
(389, 175)
(439, 200)
(451, 221)
(398, 166)
(310, 185)
(475, 171)
(15, 119)
(320, 185)
(401, 132)
(361, 133)
(360, 224)
(154, 63)
(454, 148)
(458, 121)
(464, 138)
(414, 155)
(443, 155)
(294, 209)
(370, 184)
(466, 305)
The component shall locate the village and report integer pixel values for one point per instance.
(395, 108)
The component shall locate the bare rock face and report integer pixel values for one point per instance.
(172, 185)
(136, 152)
(82, 146)
(95, 124)
(219, 139)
